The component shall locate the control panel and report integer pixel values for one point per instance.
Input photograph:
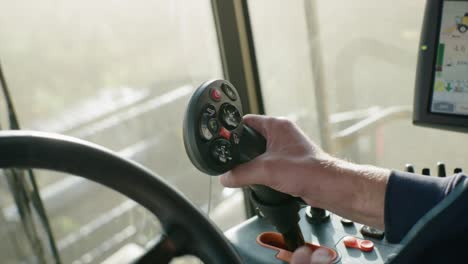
(354, 243)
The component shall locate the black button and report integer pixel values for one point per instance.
(368, 231)
(221, 151)
(235, 138)
(213, 125)
(209, 110)
(230, 116)
(229, 91)
(205, 131)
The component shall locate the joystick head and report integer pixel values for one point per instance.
(212, 127)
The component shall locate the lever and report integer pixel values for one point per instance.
(280, 209)
(441, 172)
(409, 168)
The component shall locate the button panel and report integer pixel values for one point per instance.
(215, 113)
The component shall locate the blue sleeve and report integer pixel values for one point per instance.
(409, 196)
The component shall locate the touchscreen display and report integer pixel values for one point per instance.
(450, 93)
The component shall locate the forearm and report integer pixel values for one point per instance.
(353, 191)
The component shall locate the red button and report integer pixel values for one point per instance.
(225, 133)
(366, 245)
(353, 242)
(215, 94)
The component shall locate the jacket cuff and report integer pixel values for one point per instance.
(408, 197)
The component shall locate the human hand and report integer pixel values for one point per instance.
(291, 160)
(304, 255)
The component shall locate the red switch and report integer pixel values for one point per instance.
(225, 133)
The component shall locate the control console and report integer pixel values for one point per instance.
(354, 243)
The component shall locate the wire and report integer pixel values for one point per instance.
(34, 192)
(210, 186)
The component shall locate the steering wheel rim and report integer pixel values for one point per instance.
(188, 230)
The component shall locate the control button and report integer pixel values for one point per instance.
(235, 138)
(210, 110)
(205, 130)
(457, 170)
(409, 168)
(316, 215)
(213, 125)
(353, 242)
(215, 94)
(230, 116)
(350, 241)
(366, 245)
(346, 222)
(221, 151)
(225, 133)
(229, 91)
(372, 232)
(441, 172)
(426, 171)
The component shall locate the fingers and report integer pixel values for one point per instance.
(304, 255)
(258, 123)
(244, 174)
(252, 171)
(301, 256)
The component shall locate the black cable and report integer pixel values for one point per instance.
(36, 199)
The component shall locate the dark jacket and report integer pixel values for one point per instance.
(428, 216)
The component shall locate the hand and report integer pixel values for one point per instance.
(289, 161)
(304, 255)
(293, 164)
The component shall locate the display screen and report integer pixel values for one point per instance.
(450, 94)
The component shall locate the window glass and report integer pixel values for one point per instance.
(363, 56)
(117, 73)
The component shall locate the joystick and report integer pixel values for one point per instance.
(216, 140)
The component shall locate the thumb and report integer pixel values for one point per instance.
(301, 256)
(304, 255)
(252, 172)
(258, 123)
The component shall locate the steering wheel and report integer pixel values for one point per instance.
(187, 230)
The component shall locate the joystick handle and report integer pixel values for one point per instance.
(279, 208)
(252, 145)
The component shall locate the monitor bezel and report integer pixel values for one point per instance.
(422, 114)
